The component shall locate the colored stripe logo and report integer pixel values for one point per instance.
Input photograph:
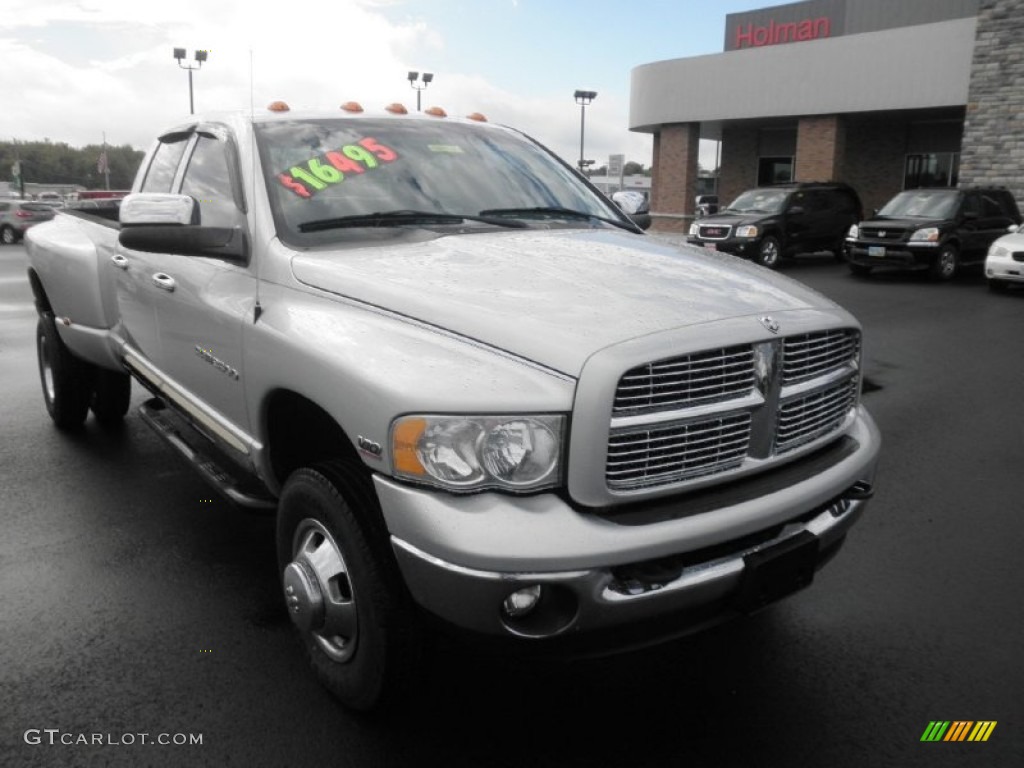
(958, 730)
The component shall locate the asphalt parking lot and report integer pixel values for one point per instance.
(134, 600)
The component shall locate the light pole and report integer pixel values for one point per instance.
(420, 83)
(583, 98)
(179, 54)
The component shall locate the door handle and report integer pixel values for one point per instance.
(164, 281)
(119, 261)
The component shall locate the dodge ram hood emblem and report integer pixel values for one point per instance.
(770, 324)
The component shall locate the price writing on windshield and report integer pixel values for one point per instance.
(330, 168)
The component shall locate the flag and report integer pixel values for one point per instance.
(102, 166)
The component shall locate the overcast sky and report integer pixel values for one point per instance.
(72, 70)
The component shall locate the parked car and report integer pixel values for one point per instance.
(938, 230)
(767, 223)
(705, 205)
(478, 397)
(16, 216)
(1004, 264)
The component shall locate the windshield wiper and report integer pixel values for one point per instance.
(398, 218)
(556, 212)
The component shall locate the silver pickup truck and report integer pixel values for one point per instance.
(476, 394)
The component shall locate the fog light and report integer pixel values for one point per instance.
(522, 601)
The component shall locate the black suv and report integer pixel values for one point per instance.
(767, 223)
(937, 230)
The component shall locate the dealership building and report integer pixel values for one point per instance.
(880, 94)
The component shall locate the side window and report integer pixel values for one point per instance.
(161, 171)
(842, 201)
(972, 206)
(208, 180)
(993, 208)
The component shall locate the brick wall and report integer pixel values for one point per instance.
(739, 162)
(993, 146)
(674, 176)
(820, 143)
(874, 159)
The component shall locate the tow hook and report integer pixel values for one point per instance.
(859, 491)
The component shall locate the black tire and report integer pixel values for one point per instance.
(946, 264)
(838, 250)
(111, 396)
(860, 270)
(769, 252)
(351, 609)
(67, 380)
(8, 236)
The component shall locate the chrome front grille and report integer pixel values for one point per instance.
(730, 409)
(713, 231)
(882, 233)
(807, 418)
(679, 382)
(812, 354)
(673, 452)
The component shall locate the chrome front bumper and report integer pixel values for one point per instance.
(462, 556)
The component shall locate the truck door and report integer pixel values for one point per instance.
(205, 301)
(137, 291)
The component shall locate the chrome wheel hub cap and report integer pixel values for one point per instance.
(318, 592)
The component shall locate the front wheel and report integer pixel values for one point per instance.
(769, 252)
(8, 236)
(67, 381)
(946, 263)
(341, 585)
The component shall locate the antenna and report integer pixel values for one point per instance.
(253, 205)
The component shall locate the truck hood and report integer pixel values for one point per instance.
(556, 296)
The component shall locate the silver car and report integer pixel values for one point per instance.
(16, 216)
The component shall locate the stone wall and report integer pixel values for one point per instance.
(993, 145)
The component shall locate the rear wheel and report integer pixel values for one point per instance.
(342, 587)
(769, 252)
(946, 263)
(111, 395)
(67, 381)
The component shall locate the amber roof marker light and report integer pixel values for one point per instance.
(419, 83)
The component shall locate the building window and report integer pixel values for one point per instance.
(774, 170)
(937, 169)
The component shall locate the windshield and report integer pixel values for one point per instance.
(335, 179)
(759, 201)
(918, 204)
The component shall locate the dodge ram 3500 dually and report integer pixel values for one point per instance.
(471, 388)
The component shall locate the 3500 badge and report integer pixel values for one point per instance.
(328, 169)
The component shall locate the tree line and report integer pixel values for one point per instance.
(47, 162)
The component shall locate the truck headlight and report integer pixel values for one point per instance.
(853, 232)
(748, 230)
(926, 235)
(471, 453)
(694, 229)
